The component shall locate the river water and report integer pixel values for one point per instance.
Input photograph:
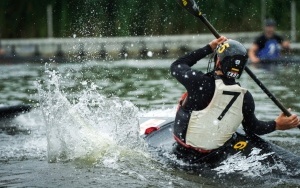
(83, 130)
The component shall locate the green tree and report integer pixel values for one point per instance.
(94, 18)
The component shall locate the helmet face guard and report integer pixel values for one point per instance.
(233, 57)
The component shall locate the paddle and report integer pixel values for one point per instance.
(192, 7)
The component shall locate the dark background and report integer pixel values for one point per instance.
(94, 18)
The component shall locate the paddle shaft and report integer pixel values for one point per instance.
(192, 8)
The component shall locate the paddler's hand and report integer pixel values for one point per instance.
(283, 122)
(286, 45)
(254, 59)
(214, 43)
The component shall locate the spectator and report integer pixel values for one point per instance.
(268, 45)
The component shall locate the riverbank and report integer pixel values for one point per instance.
(112, 48)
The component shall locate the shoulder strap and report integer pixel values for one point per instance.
(216, 76)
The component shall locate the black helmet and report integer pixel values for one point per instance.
(270, 22)
(233, 57)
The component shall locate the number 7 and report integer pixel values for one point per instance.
(235, 96)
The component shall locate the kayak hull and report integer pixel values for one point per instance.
(166, 148)
(7, 112)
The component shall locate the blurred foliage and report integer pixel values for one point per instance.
(28, 18)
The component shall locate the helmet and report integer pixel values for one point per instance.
(270, 22)
(233, 57)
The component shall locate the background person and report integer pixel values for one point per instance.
(268, 45)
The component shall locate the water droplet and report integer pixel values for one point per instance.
(216, 122)
(149, 54)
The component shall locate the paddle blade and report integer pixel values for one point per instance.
(190, 6)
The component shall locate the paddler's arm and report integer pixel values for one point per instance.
(181, 68)
(250, 123)
(252, 53)
(253, 125)
(285, 44)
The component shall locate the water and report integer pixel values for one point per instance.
(83, 130)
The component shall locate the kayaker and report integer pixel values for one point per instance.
(215, 104)
(268, 45)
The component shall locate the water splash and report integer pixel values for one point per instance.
(250, 166)
(90, 127)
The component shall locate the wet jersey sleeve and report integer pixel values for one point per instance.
(251, 123)
(181, 68)
(260, 41)
(279, 38)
